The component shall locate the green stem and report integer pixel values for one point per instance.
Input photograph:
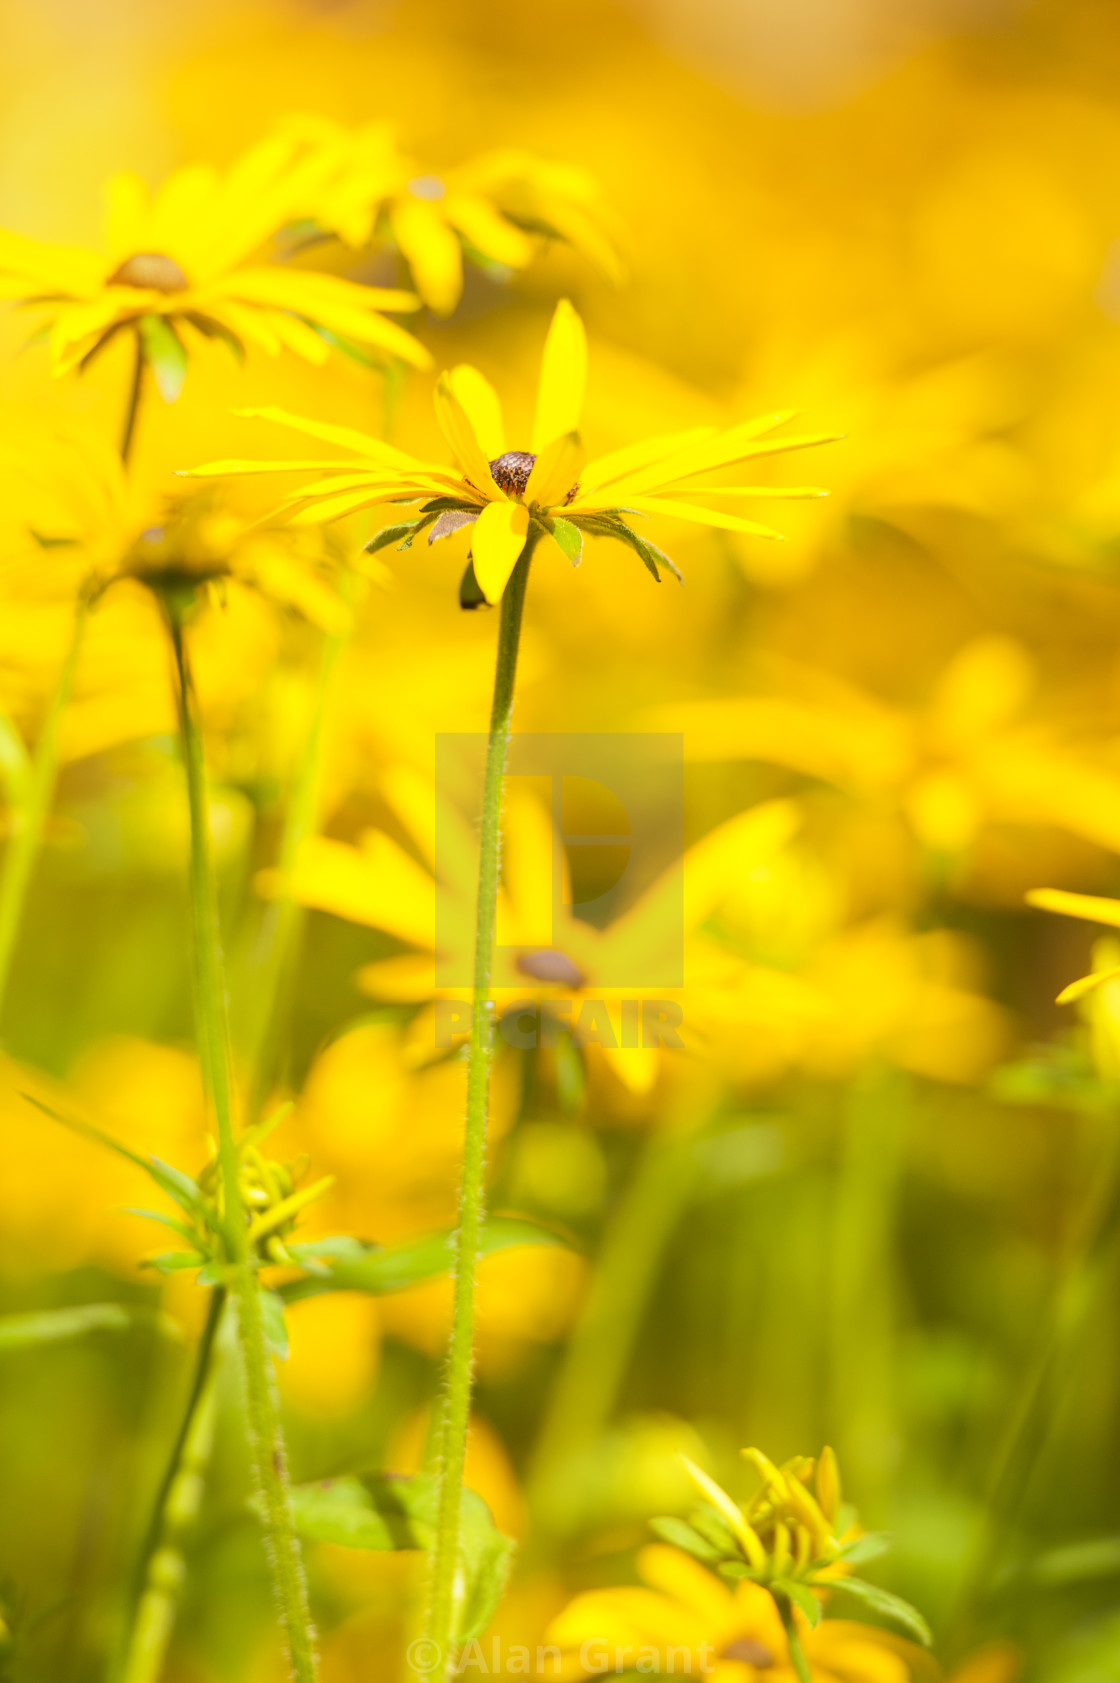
(135, 395)
(266, 1441)
(23, 846)
(457, 1396)
(161, 1565)
(278, 939)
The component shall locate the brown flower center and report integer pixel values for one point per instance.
(150, 271)
(751, 1652)
(512, 471)
(547, 964)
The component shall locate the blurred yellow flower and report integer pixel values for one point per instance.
(732, 1636)
(492, 210)
(549, 489)
(181, 261)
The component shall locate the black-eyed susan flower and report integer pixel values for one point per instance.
(494, 211)
(187, 261)
(548, 493)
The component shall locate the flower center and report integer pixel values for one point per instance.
(547, 964)
(512, 470)
(751, 1652)
(150, 271)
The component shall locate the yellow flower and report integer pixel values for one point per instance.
(492, 210)
(686, 1620)
(180, 262)
(1094, 908)
(550, 491)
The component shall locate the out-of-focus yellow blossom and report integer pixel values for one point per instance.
(181, 263)
(733, 1636)
(974, 758)
(1098, 988)
(503, 493)
(492, 210)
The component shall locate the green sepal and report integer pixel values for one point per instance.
(174, 1262)
(381, 1270)
(683, 1536)
(179, 1227)
(213, 329)
(863, 1549)
(802, 1598)
(649, 553)
(882, 1601)
(165, 354)
(441, 505)
(568, 536)
(272, 1321)
(734, 1570)
(178, 1186)
(393, 534)
(714, 1528)
(470, 591)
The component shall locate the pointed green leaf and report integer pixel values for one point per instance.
(683, 1536)
(796, 1652)
(174, 1262)
(377, 1512)
(165, 354)
(179, 1227)
(863, 1549)
(802, 1598)
(393, 534)
(174, 1182)
(379, 1270)
(569, 537)
(888, 1606)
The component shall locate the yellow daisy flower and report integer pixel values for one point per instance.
(549, 492)
(492, 210)
(180, 262)
(683, 1619)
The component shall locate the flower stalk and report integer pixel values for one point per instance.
(267, 1450)
(444, 1565)
(31, 817)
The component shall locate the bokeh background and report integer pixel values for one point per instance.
(847, 1209)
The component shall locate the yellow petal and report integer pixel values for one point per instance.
(1086, 984)
(127, 203)
(499, 537)
(555, 471)
(455, 424)
(701, 516)
(482, 406)
(1093, 907)
(620, 463)
(563, 378)
(432, 250)
(488, 230)
(348, 437)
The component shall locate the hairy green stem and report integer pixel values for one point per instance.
(266, 1441)
(444, 1563)
(161, 1566)
(33, 810)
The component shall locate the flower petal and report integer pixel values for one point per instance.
(459, 432)
(1093, 907)
(482, 406)
(556, 470)
(432, 250)
(606, 469)
(499, 538)
(701, 516)
(563, 378)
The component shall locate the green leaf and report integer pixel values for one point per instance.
(683, 1536)
(650, 554)
(802, 1597)
(49, 1326)
(881, 1601)
(734, 1570)
(393, 534)
(379, 1270)
(441, 505)
(383, 1511)
(175, 1183)
(568, 536)
(165, 354)
(862, 1549)
(179, 1227)
(711, 1525)
(178, 1186)
(273, 1322)
(796, 1652)
(470, 591)
(174, 1262)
